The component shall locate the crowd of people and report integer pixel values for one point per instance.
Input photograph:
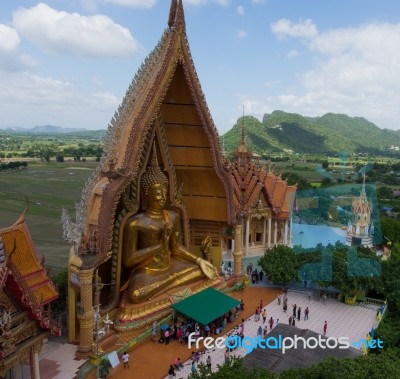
(180, 332)
(256, 276)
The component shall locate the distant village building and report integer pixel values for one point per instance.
(360, 228)
(26, 292)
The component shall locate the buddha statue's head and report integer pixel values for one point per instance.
(153, 185)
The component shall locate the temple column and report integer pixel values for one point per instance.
(275, 233)
(35, 372)
(247, 236)
(237, 253)
(264, 230)
(269, 232)
(286, 231)
(86, 315)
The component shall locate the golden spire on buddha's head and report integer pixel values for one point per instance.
(153, 174)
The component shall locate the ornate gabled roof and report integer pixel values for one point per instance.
(129, 133)
(252, 181)
(26, 279)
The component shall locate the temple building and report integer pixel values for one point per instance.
(26, 293)
(153, 220)
(263, 200)
(360, 228)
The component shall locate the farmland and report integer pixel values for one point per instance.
(48, 187)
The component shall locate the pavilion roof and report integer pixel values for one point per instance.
(206, 306)
(25, 277)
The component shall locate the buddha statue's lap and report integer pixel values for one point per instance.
(145, 282)
(152, 246)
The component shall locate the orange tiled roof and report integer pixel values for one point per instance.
(25, 266)
(251, 181)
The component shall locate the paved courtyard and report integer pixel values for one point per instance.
(343, 320)
(57, 359)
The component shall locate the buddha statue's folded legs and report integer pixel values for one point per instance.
(146, 284)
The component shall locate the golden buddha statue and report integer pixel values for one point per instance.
(152, 244)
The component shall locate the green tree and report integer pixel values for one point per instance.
(234, 369)
(325, 164)
(326, 182)
(391, 282)
(61, 282)
(279, 264)
(390, 229)
(384, 193)
(295, 179)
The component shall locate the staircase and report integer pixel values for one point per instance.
(370, 303)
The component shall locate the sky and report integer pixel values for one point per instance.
(69, 62)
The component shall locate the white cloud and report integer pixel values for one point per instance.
(9, 38)
(70, 33)
(242, 34)
(240, 10)
(10, 57)
(133, 3)
(357, 72)
(222, 2)
(271, 83)
(90, 5)
(292, 54)
(67, 104)
(285, 28)
(197, 3)
(253, 107)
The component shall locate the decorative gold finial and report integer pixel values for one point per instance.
(153, 173)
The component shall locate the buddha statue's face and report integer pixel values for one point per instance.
(157, 196)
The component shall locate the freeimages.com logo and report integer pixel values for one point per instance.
(281, 343)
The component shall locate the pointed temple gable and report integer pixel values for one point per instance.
(164, 102)
(26, 292)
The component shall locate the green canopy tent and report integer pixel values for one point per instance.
(206, 305)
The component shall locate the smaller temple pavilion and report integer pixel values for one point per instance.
(26, 292)
(263, 202)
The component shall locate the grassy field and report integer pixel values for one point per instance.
(48, 187)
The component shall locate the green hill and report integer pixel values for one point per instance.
(331, 133)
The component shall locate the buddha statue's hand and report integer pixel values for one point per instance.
(208, 269)
(167, 234)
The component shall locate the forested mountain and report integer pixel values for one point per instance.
(331, 133)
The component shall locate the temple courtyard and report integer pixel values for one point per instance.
(151, 359)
